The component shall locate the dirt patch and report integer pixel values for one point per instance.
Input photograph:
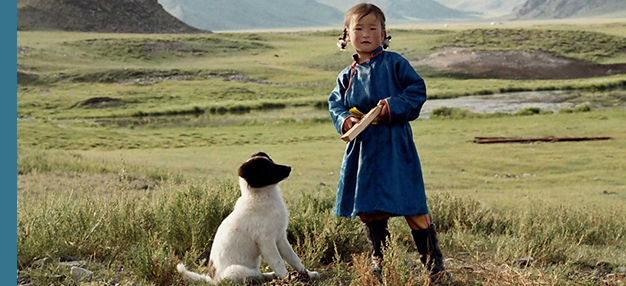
(549, 101)
(515, 65)
(99, 102)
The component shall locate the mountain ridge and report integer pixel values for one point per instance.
(403, 11)
(260, 14)
(558, 9)
(487, 8)
(106, 16)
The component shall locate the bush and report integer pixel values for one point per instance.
(566, 110)
(584, 107)
(452, 113)
(528, 111)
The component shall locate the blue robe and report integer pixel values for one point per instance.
(381, 169)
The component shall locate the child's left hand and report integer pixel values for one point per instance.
(384, 113)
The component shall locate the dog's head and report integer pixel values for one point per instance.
(261, 171)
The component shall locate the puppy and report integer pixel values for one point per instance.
(256, 227)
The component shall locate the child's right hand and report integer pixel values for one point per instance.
(349, 123)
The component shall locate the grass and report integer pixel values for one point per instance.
(583, 45)
(144, 210)
(291, 69)
(139, 183)
(149, 235)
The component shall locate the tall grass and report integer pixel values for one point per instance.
(146, 235)
(150, 236)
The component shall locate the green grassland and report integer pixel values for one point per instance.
(139, 182)
(583, 45)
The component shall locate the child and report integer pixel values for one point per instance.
(381, 175)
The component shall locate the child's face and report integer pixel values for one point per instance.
(365, 34)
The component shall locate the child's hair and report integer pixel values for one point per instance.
(362, 10)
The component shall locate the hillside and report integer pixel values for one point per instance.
(423, 10)
(487, 8)
(245, 15)
(557, 9)
(116, 16)
(403, 11)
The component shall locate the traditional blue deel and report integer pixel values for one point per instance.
(381, 169)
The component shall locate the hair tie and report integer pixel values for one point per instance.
(386, 42)
(342, 43)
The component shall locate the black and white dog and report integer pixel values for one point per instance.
(256, 227)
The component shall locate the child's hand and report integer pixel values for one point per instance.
(384, 113)
(348, 123)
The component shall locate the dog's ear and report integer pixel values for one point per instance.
(260, 171)
(261, 154)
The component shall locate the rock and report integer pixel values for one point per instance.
(511, 176)
(42, 262)
(73, 263)
(525, 261)
(81, 273)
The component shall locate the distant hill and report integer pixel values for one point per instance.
(556, 9)
(486, 8)
(114, 16)
(257, 14)
(423, 10)
(403, 11)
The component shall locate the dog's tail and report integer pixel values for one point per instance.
(193, 276)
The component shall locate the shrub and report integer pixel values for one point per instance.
(584, 107)
(528, 111)
(452, 113)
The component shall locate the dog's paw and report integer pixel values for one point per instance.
(269, 276)
(313, 274)
(281, 273)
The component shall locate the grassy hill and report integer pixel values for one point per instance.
(117, 16)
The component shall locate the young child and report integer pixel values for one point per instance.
(381, 176)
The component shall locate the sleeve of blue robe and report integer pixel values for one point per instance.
(406, 106)
(336, 101)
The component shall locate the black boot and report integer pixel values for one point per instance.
(377, 234)
(430, 253)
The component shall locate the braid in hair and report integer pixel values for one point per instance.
(342, 40)
(386, 42)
